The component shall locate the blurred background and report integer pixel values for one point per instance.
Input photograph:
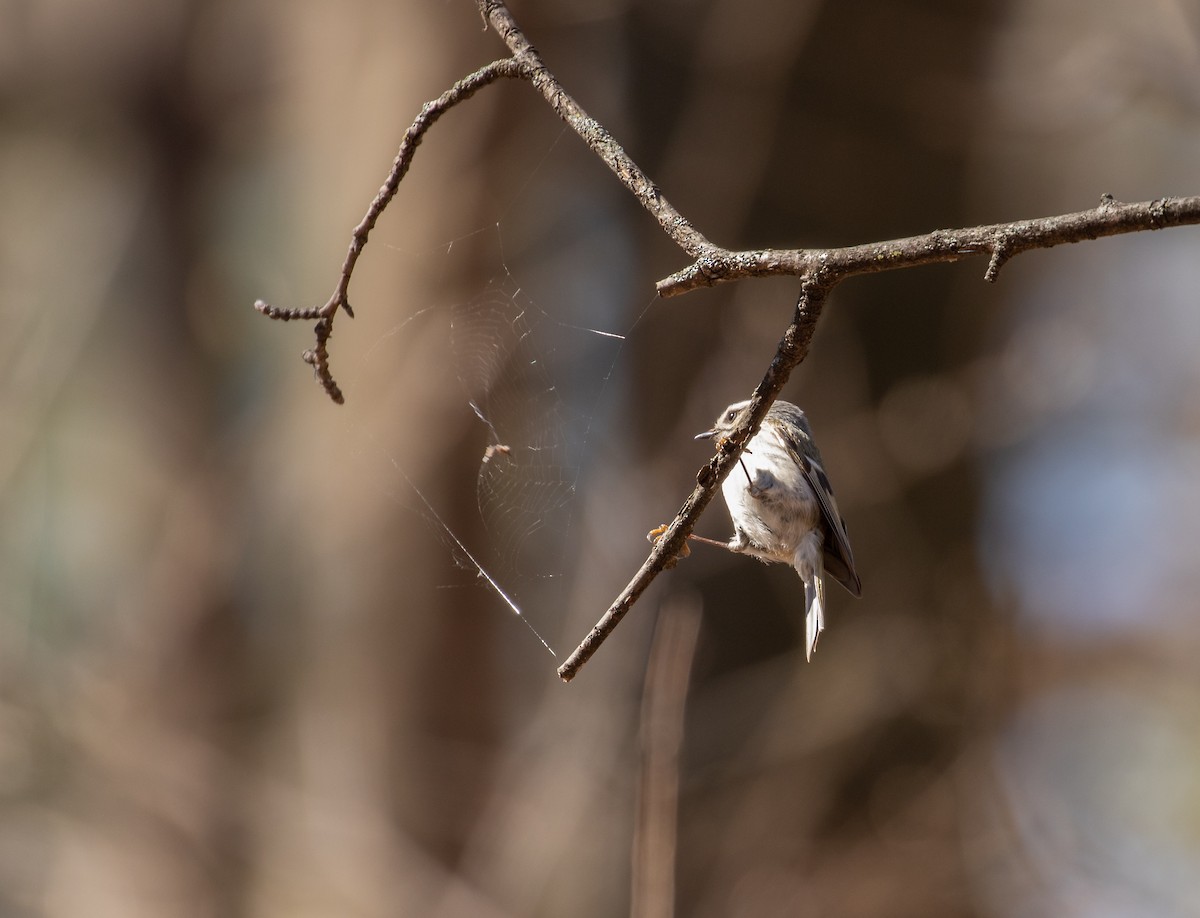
(248, 665)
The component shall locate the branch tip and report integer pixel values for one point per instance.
(284, 314)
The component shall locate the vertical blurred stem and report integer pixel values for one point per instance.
(664, 698)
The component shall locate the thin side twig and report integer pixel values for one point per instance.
(318, 356)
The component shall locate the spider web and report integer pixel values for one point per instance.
(531, 467)
(533, 384)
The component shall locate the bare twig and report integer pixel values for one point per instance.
(318, 356)
(594, 134)
(819, 271)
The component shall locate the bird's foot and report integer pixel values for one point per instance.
(655, 534)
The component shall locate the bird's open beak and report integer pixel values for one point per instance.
(707, 435)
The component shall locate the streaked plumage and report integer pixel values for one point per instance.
(783, 507)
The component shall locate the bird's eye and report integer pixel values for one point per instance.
(730, 415)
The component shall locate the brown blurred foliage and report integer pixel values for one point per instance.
(239, 671)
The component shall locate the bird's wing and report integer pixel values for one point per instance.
(839, 559)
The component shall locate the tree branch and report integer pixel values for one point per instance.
(318, 356)
(819, 271)
(999, 240)
(594, 134)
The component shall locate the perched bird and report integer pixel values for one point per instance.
(783, 507)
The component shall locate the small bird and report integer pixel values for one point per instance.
(783, 507)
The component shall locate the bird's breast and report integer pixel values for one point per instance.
(769, 498)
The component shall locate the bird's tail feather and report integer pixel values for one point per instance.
(810, 565)
(814, 617)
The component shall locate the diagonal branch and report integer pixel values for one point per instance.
(593, 133)
(792, 349)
